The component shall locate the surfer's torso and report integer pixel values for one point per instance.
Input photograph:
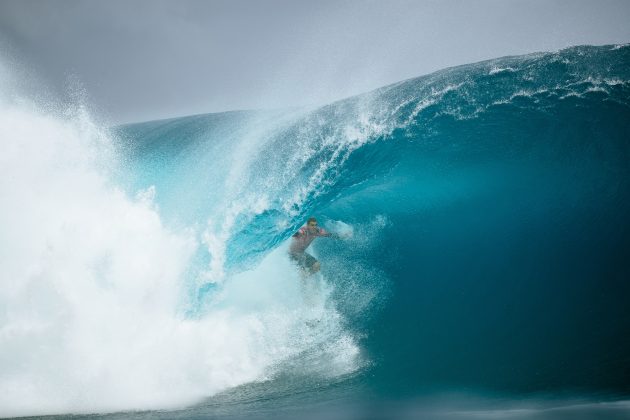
(303, 238)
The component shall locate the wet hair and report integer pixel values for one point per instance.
(311, 219)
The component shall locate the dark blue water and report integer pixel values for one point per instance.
(490, 255)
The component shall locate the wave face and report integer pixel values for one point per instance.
(485, 208)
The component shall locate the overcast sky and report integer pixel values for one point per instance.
(150, 59)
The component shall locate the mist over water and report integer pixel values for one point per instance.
(484, 214)
(96, 312)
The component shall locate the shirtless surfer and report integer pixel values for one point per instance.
(301, 240)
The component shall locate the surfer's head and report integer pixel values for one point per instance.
(311, 224)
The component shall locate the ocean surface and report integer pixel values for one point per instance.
(483, 270)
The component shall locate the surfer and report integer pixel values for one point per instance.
(301, 240)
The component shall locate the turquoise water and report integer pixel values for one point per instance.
(487, 264)
(495, 197)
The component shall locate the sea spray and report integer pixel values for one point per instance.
(93, 282)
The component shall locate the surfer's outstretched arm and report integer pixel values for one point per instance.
(327, 234)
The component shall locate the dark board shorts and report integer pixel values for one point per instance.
(304, 260)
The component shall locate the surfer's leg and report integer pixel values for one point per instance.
(298, 260)
(311, 263)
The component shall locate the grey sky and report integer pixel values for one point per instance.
(149, 59)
